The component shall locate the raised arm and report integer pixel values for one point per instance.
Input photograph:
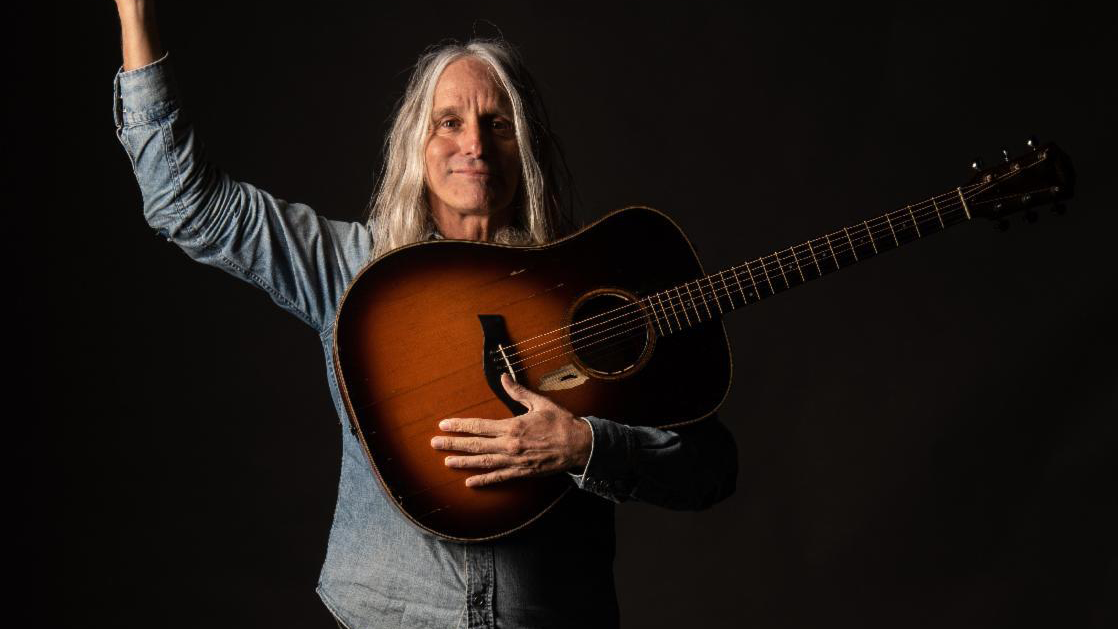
(139, 35)
(302, 261)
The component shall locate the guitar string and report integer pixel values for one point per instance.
(784, 262)
(629, 324)
(683, 308)
(685, 305)
(770, 264)
(641, 323)
(776, 262)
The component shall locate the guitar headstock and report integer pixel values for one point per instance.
(1040, 176)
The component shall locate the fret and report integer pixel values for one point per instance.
(725, 288)
(756, 288)
(677, 323)
(741, 289)
(663, 311)
(861, 242)
(803, 262)
(963, 200)
(814, 259)
(655, 319)
(675, 313)
(833, 256)
(870, 234)
(767, 280)
(662, 319)
(936, 208)
(703, 296)
(852, 249)
(714, 290)
(907, 230)
(780, 265)
(890, 224)
(683, 304)
(913, 217)
(695, 302)
(796, 259)
(713, 293)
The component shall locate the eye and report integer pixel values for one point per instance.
(503, 126)
(449, 123)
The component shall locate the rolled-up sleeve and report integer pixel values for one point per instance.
(691, 467)
(300, 259)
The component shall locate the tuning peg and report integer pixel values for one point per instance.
(1005, 154)
(1059, 209)
(1032, 142)
(1030, 216)
(977, 163)
(1002, 225)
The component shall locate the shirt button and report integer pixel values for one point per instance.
(479, 599)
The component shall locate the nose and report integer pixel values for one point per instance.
(474, 141)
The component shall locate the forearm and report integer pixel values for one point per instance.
(139, 35)
(303, 261)
(692, 467)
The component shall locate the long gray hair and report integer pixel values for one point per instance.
(399, 213)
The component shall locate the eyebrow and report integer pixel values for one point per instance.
(453, 110)
(443, 111)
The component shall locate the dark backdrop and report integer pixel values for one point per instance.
(927, 440)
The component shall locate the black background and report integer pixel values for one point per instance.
(927, 440)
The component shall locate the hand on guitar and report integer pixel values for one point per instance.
(545, 440)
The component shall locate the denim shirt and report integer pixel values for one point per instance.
(381, 570)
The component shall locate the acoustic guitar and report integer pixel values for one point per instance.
(618, 320)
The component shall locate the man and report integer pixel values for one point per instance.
(469, 157)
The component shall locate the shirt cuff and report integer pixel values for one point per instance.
(144, 94)
(611, 459)
(578, 477)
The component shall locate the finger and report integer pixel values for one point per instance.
(477, 426)
(503, 474)
(482, 461)
(475, 445)
(519, 392)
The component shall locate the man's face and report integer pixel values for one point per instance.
(472, 157)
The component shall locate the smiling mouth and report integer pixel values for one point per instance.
(480, 175)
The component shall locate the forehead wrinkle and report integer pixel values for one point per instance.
(488, 97)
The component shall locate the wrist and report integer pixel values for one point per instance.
(584, 445)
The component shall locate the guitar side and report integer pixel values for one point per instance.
(410, 350)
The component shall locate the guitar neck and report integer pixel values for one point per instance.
(705, 298)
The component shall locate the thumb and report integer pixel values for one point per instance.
(518, 392)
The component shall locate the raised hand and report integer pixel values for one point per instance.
(139, 37)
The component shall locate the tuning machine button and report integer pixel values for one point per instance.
(976, 164)
(1005, 154)
(1032, 143)
(1002, 225)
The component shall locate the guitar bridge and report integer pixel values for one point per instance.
(499, 356)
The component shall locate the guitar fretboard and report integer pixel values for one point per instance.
(706, 298)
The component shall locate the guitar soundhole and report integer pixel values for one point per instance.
(610, 333)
